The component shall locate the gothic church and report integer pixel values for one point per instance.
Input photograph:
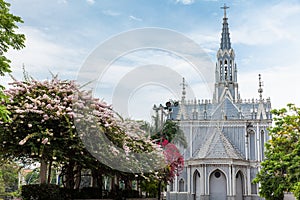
(225, 135)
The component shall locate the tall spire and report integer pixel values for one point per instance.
(226, 69)
(225, 40)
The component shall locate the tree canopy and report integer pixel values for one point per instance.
(8, 39)
(54, 121)
(280, 170)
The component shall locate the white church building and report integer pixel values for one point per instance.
(225, 135)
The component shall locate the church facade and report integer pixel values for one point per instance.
(225, 136)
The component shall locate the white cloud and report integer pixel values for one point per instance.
(266, 25)
(91, 2)
(63, 1)
(279, 84)
(111, 13)
(185, 2)
(42, 55)
(131, 17)
(151, 77)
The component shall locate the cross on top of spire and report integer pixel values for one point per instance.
(224, 7)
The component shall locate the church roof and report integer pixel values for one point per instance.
(226, 109)
(204, 110)
(218, 146)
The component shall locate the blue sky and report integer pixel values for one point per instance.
(61, 34)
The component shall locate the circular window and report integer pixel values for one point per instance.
(217, 174)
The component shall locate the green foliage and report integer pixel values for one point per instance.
(2, 184)
(84, 193)
(41, 192)
(171, 132)
(8, 178)
(8, 39)
(280, 170)
(32, 177)
(296, 190)
(150, 187)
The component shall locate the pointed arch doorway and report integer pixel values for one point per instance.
(196, 185)
(217, 186)
(239, 186)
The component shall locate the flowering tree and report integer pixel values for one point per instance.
(41, 127)
(55, 121)
(174, 161)
(167, 137)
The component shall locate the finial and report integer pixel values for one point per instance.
(260, 90)
(224, 7)
(184, 85)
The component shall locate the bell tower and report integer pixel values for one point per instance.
(226, 71)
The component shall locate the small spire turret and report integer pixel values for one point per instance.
(260, 89)
(184, 85)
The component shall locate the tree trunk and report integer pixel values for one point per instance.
(43, 171)
(100, 183)
(49, 172)
(69, 175)
(77, 178)
(159, 189)
(94, 178)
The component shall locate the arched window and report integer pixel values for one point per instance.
(225, 70)
(196, 184)
(252, 145)
(171, 186)
(239, 185)
(262, 144)
(181, 185)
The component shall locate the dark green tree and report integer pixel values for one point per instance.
(8, 177)
(8, 39)
(280, 170)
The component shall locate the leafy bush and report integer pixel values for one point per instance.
(296, 190)
(89, 193)
(41, 192)
(84, 193)
(130, 193)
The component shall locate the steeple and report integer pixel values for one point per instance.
(226, 72)
(225, 39)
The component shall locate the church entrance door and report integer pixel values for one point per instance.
(217, 186)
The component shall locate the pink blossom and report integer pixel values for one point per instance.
(45, 140)
(22, 142)
(46, 117)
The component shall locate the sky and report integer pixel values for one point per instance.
(135, 52)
